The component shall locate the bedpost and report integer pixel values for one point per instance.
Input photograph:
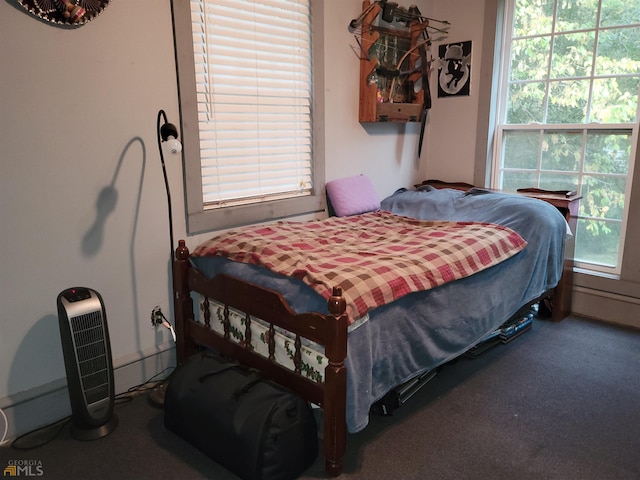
(182, 305)
(335, 392)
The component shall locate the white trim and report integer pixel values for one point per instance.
(606, 306)
(48, 403)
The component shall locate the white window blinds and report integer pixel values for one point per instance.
(254, 86)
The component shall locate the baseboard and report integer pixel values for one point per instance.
(609, 307)
(48, 403)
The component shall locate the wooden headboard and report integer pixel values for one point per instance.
(441, 184)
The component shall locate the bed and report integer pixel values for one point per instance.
(344, 357)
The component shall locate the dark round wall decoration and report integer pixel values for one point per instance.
(65, 12)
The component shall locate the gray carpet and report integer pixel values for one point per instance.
(560, 402)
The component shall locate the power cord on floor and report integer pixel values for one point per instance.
(6, 427)
(50, 433)
(146, 386)
(33, 439)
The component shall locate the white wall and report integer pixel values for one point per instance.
(451, 136)
(83, 200)
(387, 153)
(77, 128)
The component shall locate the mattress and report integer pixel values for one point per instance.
(423, 330)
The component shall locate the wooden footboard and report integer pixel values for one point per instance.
(254, 301)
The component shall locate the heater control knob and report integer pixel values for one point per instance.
(76, 294)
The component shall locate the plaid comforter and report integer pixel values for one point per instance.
(376, 257)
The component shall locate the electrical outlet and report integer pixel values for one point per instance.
(156, 316)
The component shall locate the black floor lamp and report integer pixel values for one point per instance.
(167, 133)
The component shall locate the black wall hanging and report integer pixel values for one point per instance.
(71, 13)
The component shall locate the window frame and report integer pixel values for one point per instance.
(498, 116)
(200, 219)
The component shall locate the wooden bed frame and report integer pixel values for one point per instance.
(256, 302)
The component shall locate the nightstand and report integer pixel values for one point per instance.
(568, 205)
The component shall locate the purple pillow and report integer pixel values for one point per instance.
(352, 196)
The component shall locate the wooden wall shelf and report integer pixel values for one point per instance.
(392, 49)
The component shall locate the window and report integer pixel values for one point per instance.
(247, 88)
(568, 112)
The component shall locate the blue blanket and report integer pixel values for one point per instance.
(426, 329)
(538, 222)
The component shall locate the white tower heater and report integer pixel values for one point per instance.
(87, 359)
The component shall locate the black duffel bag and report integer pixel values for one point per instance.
(253, 427)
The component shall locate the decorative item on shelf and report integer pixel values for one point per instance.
(394, 50)
(393, 47)
(65, 12)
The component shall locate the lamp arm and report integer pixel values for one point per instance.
(163, 115)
